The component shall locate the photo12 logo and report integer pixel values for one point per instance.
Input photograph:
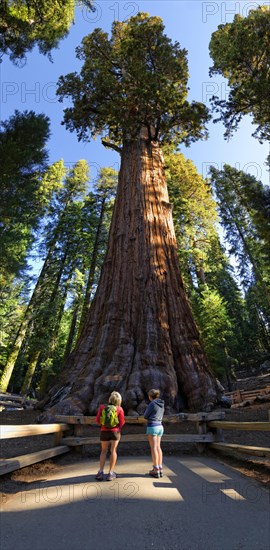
(210, 89)
(225, 11)
(94, 168)
(50, 494)
(36, 91)
(252, 168)
(120, 11)
(232, 491)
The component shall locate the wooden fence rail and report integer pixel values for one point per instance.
(10, 432)
(8, 465)
(243, 426)
(239, 396)
(15, 401)
(250, 426)
(209, 426)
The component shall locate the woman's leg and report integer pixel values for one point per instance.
(113, 457)
(154, 448)
(103, 454)
(159, 451)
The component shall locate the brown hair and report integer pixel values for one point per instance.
(154, 393)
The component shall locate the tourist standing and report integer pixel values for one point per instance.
(111, 419)
(154, 415)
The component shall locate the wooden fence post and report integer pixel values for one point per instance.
(58, 437)
(218, 434)
(202, 428)
(78, 432)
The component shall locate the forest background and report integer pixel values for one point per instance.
(56, 207)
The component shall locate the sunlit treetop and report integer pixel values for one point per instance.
(26, 23)
(136, 78)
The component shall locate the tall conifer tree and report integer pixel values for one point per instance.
(140, 332)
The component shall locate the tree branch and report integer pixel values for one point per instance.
(111, 146)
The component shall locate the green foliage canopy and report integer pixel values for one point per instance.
(216, 327)
(194, 213)
(26, 23)
(241, 53)
(136, 78)
(23, 195)
(245, 219)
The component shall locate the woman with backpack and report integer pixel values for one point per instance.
(154, 415)
(111, 419)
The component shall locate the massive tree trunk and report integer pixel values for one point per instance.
(140, 332)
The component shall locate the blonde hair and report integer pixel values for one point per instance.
(115, 398)
(154, 393)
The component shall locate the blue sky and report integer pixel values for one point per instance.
(191, 23)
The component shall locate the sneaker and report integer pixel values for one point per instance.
(111, 476)
(160, 472)
(154, 472)
(100, 476)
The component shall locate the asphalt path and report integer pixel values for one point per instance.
(199, 504)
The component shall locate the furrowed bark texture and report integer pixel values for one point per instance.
(140, 333)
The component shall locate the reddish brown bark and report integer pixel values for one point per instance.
(140, 332)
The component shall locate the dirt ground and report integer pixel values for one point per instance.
(254, 467)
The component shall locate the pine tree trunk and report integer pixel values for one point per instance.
(251, 257)
(30, 372)
(53, 337)
(140, 332)
(93, 265)
(72, 332)
(20, 336)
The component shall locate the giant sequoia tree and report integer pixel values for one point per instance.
(139, 332)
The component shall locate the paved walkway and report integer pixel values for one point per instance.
(199, 504)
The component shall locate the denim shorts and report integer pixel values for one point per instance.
(155, 430)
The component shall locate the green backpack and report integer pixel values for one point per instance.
(108, 417)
